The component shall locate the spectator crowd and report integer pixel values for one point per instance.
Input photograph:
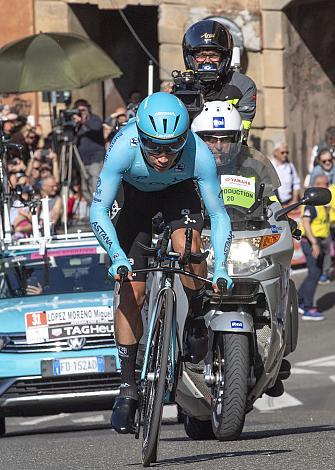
(33, 170)
(317, 223)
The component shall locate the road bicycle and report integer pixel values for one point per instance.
(163, 358)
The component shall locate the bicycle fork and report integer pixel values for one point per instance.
(173, 370)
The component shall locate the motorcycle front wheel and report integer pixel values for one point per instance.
(229, 393)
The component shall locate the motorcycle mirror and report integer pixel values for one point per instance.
(317, 196)
(312, 197)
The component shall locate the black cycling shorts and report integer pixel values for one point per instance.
(179, 204)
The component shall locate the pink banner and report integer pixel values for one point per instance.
(67, 252)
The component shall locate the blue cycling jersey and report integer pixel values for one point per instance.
(124, 161)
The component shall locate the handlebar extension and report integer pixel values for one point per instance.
(165, 242)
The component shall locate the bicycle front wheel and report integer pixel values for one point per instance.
(155, 382)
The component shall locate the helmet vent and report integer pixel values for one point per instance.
(176, 123)
(165, 125)
(153, 122)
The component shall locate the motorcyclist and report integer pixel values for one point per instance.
(207, 50)
(220, 126)
(155, 159)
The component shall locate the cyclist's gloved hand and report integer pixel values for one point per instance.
(222, 273)
(120, 261)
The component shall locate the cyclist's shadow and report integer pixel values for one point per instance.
(220, 455)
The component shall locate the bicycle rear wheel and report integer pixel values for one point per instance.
(155, 382)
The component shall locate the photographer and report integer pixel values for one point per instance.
(9, 122)
(29, 139)
(20, 215)
(43, 163)
(90, 143)
(15, 165)
(113, 123)
(207, 51)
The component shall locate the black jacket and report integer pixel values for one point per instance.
(239, 90)
(90, 141)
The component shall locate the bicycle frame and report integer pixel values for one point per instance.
(174, 334)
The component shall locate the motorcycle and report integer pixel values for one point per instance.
(234, 351)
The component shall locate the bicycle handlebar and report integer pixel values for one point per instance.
(160, 252)
(222, 284)
(123, 273)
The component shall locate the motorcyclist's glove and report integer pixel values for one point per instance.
(222, 273)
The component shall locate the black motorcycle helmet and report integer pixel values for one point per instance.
(208, 34)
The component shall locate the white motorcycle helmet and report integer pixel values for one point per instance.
(220, 125)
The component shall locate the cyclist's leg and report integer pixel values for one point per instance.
(133, 224)
(185, 211)
(182, 210)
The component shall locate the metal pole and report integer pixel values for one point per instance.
(150, 78)
(46, 217)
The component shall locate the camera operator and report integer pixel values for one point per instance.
(207, 50)
(90, 143)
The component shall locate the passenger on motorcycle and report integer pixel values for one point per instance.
(220, 125)
(207, 50)
(156, 160)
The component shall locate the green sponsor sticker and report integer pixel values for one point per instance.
(238, 190)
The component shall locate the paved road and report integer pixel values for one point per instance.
(295, 431)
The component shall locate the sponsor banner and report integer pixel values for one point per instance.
(68, 323)
(73, 331)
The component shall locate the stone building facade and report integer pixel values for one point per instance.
(284, 54)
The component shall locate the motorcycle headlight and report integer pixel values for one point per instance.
(243, 258)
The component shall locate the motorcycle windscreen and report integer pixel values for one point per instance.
(241, 174)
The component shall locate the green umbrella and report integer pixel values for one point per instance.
(53, 61)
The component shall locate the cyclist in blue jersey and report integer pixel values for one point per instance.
(155, 160)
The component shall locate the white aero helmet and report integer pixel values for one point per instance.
(220, 125)
(219, 118)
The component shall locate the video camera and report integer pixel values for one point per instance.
(67, 127)
(66, 115)
(188, 85)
